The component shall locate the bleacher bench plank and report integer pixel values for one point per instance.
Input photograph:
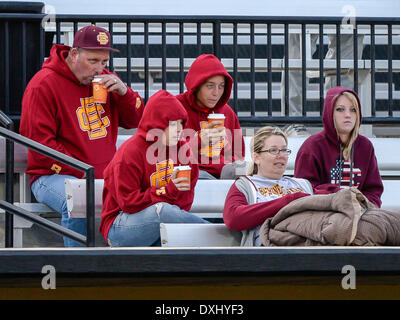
(198, 235)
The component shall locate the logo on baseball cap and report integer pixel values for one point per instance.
(93, 38)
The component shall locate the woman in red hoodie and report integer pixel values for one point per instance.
(209, 88)
(141, 189)
(339, 156)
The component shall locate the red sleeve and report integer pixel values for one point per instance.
(326, 188)
(238, 153)
(130, 107)
(130, 195)
(372, 187)
(239, 215)
(233, 150)
(312, 172)
(215, 165)
(234, 146)
(39, 123)
(322, 191)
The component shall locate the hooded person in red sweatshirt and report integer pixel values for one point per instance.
(339, 156)
(209, 87)
(58, 111)
(141, 189)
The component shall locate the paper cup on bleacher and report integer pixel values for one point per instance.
(183, 171)
(213, 117)
(99, 92)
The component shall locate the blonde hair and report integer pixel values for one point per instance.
(257, 144)
(346, 148)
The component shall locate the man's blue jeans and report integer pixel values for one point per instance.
(50, 190)
(143, 228)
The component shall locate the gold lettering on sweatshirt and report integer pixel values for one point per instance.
(161, 191)
(90, 119)
(56, 168)
(162, 174)
(278, 190)
(138, 103)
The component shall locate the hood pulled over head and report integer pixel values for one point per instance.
(161, 108)
(204, 67)
(329, 105)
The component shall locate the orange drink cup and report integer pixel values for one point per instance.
(213, 117)
(216, 146)
(99, 93)
(183, 171)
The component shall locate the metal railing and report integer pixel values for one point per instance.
(156, 52)
(9, 178)
(11, 209)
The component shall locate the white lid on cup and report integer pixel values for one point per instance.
(215, 116)
(182, 168)
(97, 80)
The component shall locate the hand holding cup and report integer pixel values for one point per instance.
(112, 83)
(181, 177)
(214, 131)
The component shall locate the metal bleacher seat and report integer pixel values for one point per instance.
(198, 235)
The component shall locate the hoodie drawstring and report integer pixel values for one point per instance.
(351, 165)
(341, 166)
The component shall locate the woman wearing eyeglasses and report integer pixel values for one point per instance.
(264, 191)
(339, 157)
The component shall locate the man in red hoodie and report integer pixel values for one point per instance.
(209, 88)
(58, 111)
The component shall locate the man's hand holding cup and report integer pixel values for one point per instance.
(112, 83)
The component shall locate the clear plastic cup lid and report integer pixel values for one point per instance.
(216, 116)
(182, 168)
(96, 80)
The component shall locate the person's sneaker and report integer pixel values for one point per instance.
(296, 130)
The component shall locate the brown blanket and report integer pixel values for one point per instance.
(342, 218)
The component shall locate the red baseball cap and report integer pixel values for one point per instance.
(93, 38)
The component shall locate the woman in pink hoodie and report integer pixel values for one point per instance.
(339, 156)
